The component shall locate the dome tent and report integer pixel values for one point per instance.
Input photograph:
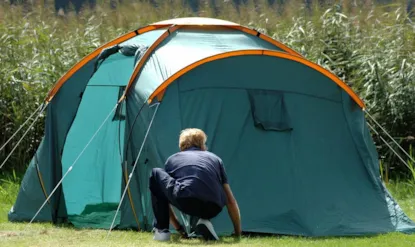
(293, 137)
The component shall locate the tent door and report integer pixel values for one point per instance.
(93, 188)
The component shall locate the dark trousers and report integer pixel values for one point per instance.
(165, 190)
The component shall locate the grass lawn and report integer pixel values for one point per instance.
(21, 234)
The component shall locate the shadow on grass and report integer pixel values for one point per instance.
(176, 239)
(318, 238)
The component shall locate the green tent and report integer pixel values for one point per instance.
(293, 137)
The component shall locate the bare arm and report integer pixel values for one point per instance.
(233, 209)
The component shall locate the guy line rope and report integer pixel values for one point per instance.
(132, 171)
(27, 131)
(73, 164)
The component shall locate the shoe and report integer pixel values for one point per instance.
(161, 235)
(205, 228)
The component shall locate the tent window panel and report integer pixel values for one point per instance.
(269, 111)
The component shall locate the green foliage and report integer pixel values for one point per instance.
(371, 47)
(411, 165)
(9, 188)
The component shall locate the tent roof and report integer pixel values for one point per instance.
(173, 25)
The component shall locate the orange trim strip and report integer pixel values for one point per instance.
(322, 70)
(91, 56)
(140, 65)
(325, 72)
(179, 73)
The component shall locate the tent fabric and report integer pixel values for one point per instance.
(97, 172)
(298, 153)
(98, 216)
(59, 118)
(184, 47)
(298, 172)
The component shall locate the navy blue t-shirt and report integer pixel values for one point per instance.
(201, 175)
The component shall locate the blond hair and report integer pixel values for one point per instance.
(192, 137)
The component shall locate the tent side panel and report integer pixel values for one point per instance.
(134, 132)
(60, 113)
(31, 196)
(305, 174)
(397, 220)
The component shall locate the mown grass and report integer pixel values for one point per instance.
(22, 234)
(46, 236)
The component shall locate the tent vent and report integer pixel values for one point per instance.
(269, 111)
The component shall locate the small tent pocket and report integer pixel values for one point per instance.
(268, 110)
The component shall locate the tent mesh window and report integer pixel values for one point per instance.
(268, 110)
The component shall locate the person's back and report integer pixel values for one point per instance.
(200, 173)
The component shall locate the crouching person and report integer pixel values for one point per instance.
(195, 182)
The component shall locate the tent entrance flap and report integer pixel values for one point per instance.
(93, 189)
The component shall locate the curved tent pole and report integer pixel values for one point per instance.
(137, 69)
(125, 171)
(73, 164)
(131, 130)
(380, 126)
(27, 131)
(135, 165)
(39, 174)
(21, 126)
(125, 166)
(130, 197)
(143, 60)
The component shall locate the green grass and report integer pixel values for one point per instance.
(43, 235)
(23, 234)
